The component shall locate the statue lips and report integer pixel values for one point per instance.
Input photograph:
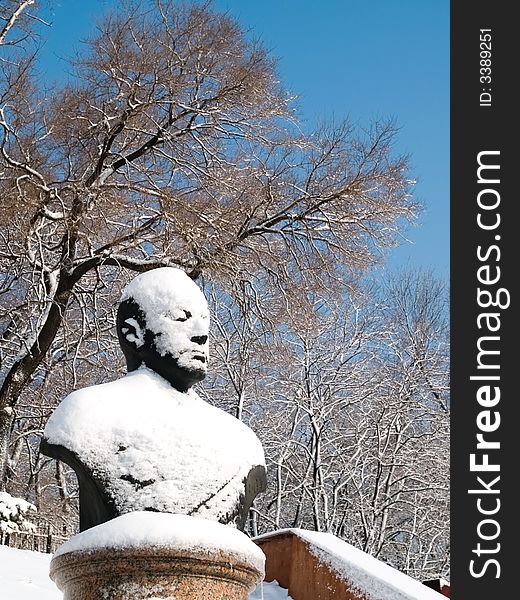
(195, 353)
(196, 361)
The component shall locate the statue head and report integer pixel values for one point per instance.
(163, 323)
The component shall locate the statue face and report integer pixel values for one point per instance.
(180, 334)
(167, 326)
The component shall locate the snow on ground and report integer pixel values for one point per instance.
(24, 576)
(269, 591)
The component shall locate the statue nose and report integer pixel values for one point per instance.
(200, 339)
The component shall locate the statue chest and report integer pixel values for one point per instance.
(191, 459)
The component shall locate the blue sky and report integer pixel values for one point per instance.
(356, 58)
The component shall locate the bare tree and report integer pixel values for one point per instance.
(15, 22)
(174, 144)
(353, 414)
(414, 425)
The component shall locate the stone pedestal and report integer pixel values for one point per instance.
(119, 567)
(133, 575)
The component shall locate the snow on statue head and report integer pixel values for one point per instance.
(147, 442)
(163, 323)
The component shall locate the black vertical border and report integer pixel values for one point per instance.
(474, 129)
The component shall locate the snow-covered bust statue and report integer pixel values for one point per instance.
(147, 441)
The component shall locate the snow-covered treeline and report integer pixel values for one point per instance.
(351, 402)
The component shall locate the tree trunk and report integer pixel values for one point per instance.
(6, 425)
(21, 372)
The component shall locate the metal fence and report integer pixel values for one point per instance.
(45, 538)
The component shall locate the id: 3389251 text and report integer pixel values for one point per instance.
(485, 67)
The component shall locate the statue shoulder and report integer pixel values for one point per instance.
(76, 412)
(87, 417)
(235, 433)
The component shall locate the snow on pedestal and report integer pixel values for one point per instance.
(157, 555)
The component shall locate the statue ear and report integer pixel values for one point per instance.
(132, 333)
